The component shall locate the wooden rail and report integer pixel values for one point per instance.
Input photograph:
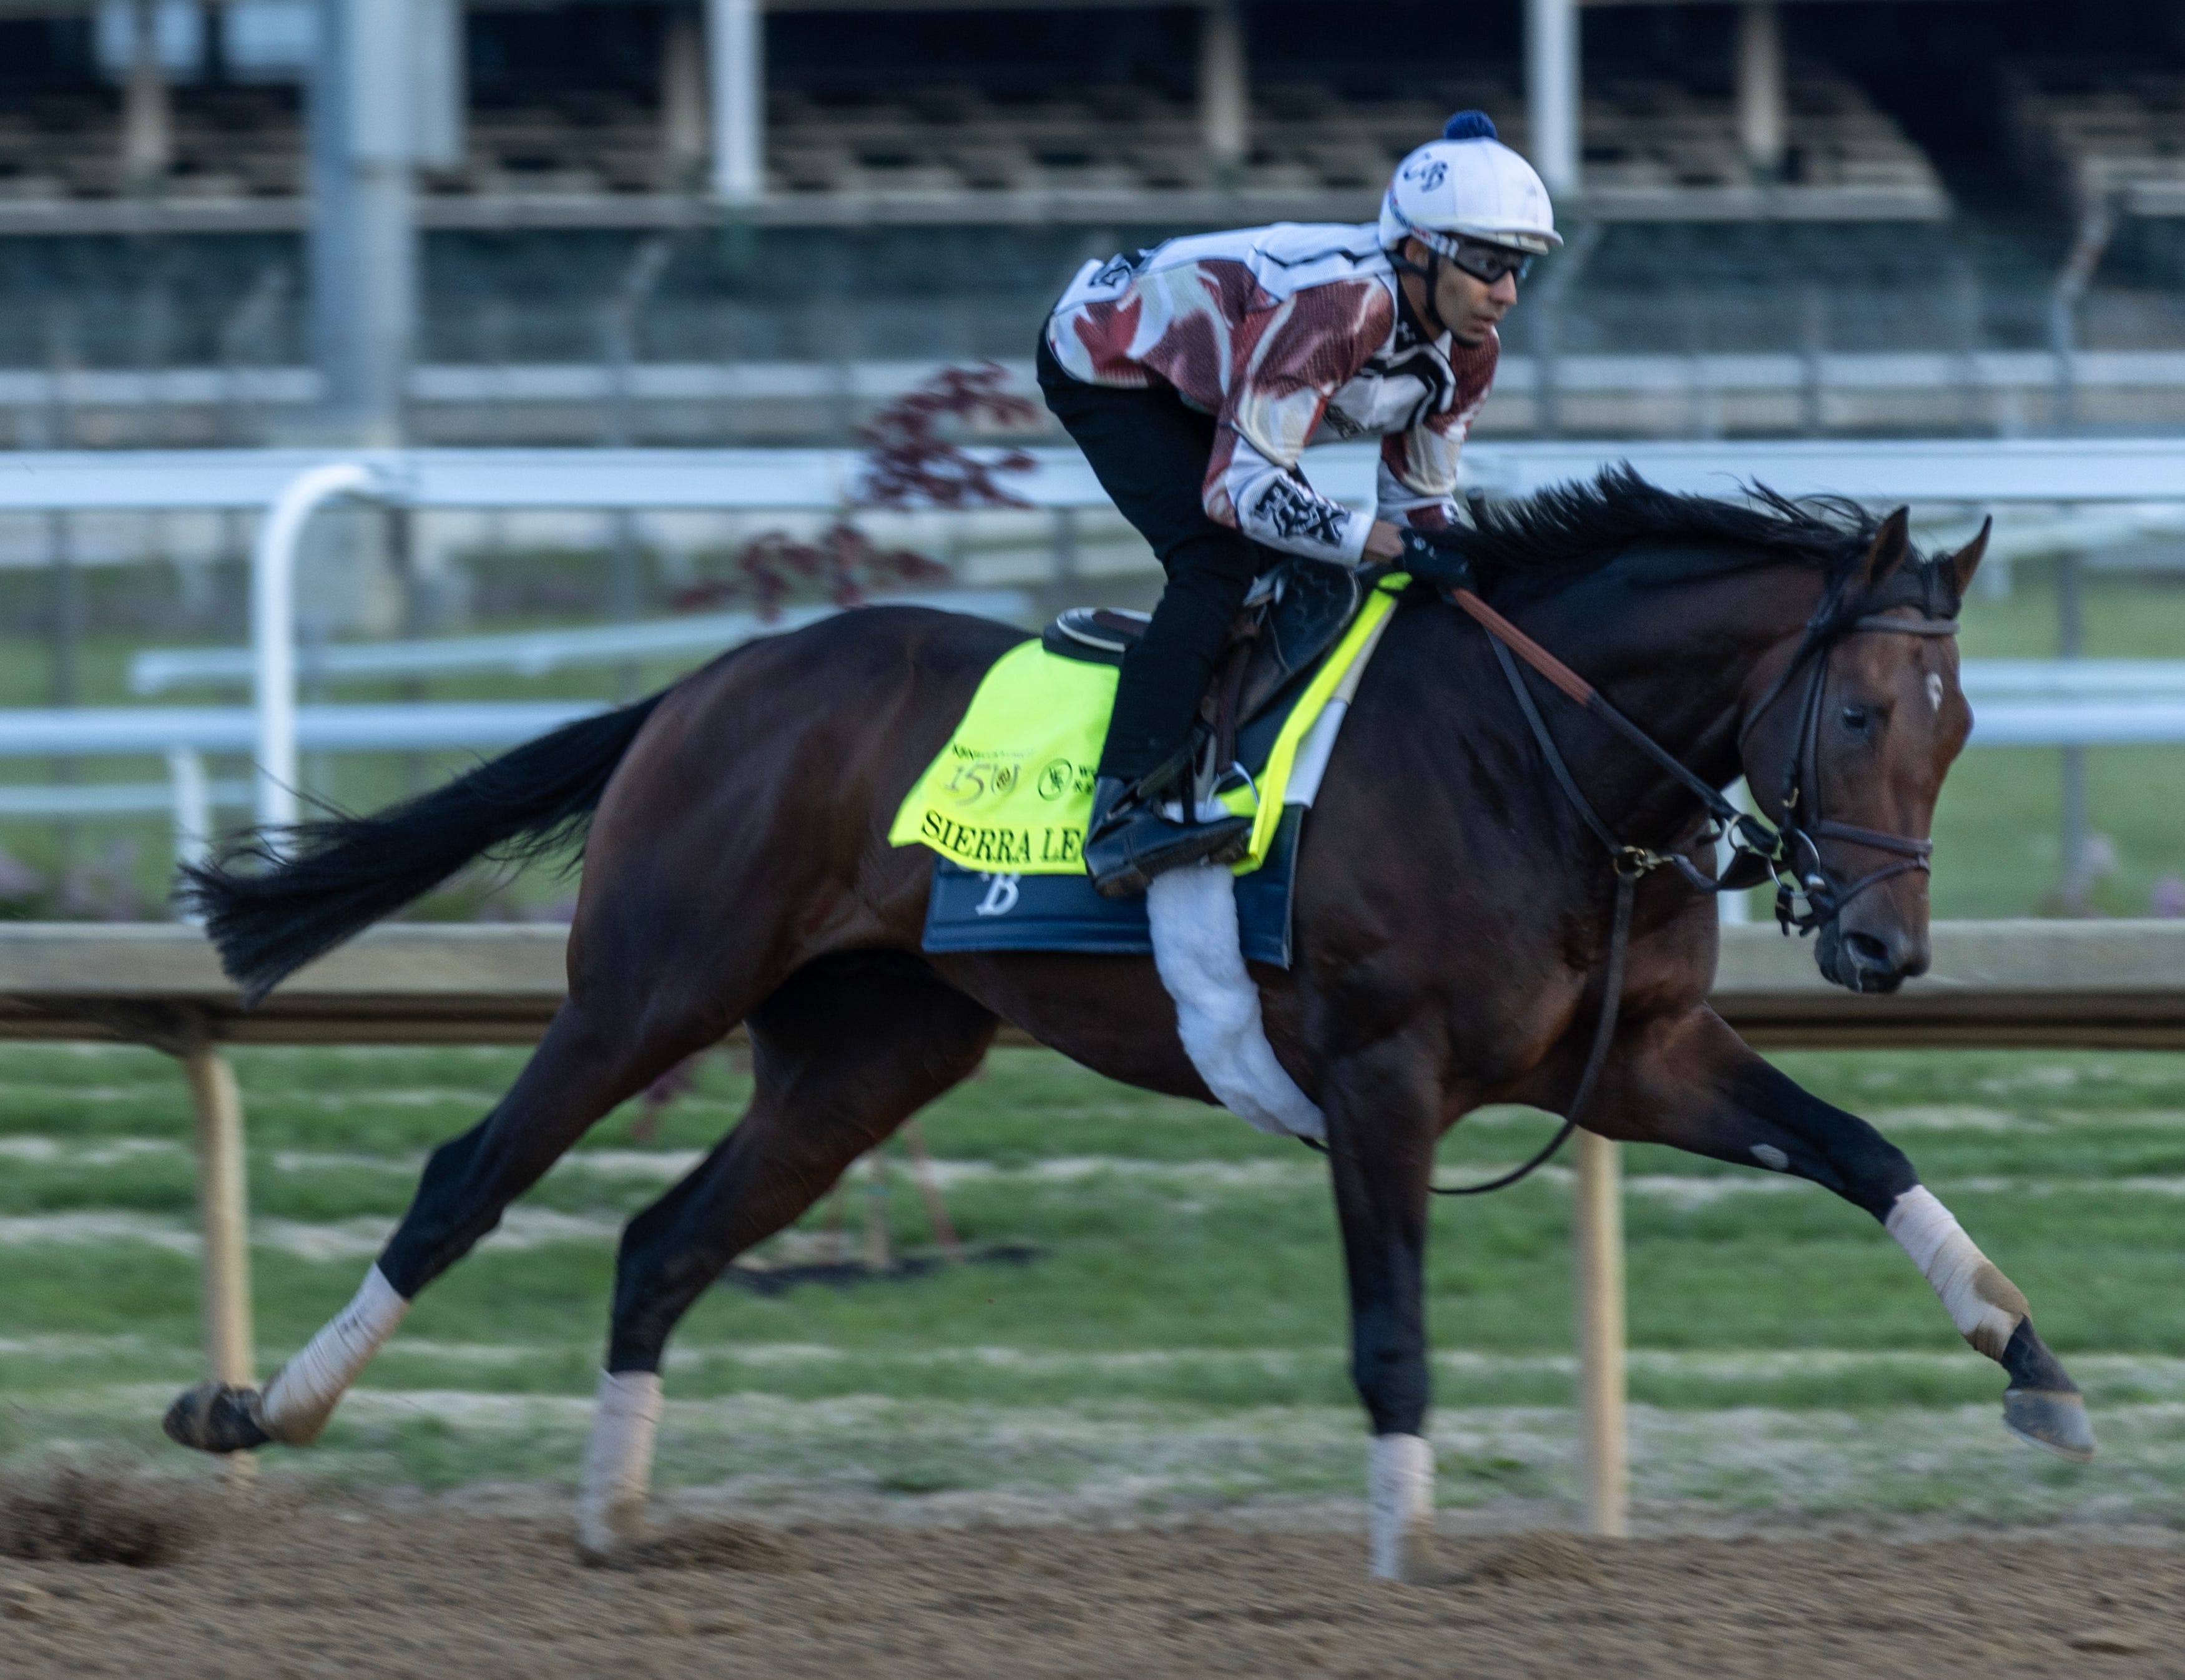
(1994, 984)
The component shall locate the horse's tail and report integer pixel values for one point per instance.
(333, 876)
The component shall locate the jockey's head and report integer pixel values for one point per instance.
(1464, 217)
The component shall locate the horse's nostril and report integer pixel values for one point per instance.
(1869, 953)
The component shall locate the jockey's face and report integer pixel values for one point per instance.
(1467, 306)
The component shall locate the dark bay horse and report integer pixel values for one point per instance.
(1450, 918)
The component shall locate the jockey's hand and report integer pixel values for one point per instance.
(1384, 541)
(1419, 554)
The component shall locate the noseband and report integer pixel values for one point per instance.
(1796, 861)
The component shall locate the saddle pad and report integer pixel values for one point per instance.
(1012, 791)
(1004, 910)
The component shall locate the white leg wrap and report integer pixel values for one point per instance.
(1399, 1474)
(304, 1392)
(1192, 912)
(617, 1472)
(1983, 1303)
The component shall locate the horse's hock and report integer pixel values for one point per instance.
(2012, 985)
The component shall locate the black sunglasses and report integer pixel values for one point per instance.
(1487, 263)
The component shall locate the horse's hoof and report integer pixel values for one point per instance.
(612, 1534)
(2049, 1419)
(215, 1418)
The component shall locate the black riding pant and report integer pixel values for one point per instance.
(1150, 451)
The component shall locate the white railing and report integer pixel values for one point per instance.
(290, 484)
(1989, 382)
(536, 653)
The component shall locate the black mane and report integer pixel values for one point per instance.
(1543, 542)
(1525, 549)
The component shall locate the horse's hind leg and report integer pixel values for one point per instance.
(843, 1053)
(604, 1044)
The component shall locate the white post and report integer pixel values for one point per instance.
(1597, 1243)
(273, 626)
(683, 98)
(1551, 91)
(1224, 109)
(193, 804)
(224, 1209)
(148, 143)
(1762, 103)
(735, 47)
(440, 91)
(364, 238)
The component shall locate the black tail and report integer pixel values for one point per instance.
(337, 875)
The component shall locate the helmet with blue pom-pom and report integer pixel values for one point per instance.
(1468, 182)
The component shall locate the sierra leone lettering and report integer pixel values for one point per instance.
(988, 843)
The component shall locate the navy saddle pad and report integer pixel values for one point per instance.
(971, 909)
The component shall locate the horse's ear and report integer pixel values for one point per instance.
(1891, 542)
(1966, 560)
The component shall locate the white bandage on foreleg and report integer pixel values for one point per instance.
(304, 1392)
(617, 1472)
(1983, 1303)
(1399, 1479)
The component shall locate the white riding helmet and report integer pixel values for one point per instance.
(1468, 182)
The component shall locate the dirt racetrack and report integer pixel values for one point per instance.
(284, 1585)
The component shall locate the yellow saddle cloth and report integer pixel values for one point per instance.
(1012, 791)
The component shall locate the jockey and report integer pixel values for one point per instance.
(1193, 374)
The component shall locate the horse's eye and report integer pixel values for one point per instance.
(1856, 718)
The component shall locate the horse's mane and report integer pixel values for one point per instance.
(1541, 544)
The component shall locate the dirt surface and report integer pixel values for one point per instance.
(278, 1585)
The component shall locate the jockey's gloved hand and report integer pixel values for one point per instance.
(1425, 557)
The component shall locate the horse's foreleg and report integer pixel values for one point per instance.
(1380, 1106)
(843, 1053)
(591, 1057)
(1695, 1084)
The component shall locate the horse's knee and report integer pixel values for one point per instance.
(1873, 1172)
(1847, 1157)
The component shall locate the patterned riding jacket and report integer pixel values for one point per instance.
(1289, 336)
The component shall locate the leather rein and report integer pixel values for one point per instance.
(1790, 854)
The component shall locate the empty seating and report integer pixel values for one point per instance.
(2101, 132)
(1024, 145)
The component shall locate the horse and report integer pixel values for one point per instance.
(1451, 911)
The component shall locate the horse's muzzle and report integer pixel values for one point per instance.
(1866, 962)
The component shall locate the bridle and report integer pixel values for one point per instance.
(1790, 853)
(1800, 869)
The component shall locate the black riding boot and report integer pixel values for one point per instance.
(1129, 841)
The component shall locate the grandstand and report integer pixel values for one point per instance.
(2103, 134)
(1773, 191)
